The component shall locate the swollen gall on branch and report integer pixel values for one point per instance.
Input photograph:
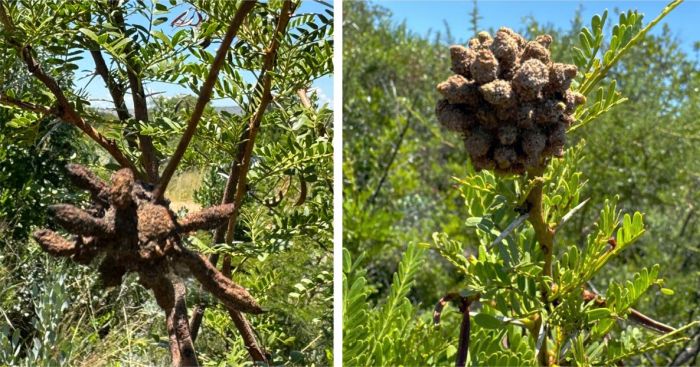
(509, 101)
(127, 229)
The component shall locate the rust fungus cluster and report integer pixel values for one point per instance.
(509, 100)
(126, 229)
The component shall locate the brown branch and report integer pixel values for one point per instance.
(688, 352)
(115, 90)
(148, 151)
(390, 162)
(170, 296)
(464, 331)
(265, 86)
(236, 183)
(177, 324)
(27, 106)
(204, 96)
(248, 335)
(66, 111)
(440, 306)
(636, 316)
(545, 237)
(219, 237)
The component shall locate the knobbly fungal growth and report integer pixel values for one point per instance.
(509, 100)
(127, 229)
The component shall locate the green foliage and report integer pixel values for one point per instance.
(397, 164)
(386, 334)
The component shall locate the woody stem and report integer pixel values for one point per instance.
(545, 237)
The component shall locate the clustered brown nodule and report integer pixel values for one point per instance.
(127, 230)
(509, 100)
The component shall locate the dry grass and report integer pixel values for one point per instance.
(181, 191)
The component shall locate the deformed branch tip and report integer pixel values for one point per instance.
(229, 293)
(53, 243)
(210, 218)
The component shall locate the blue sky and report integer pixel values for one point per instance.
(99, 96)
(421, 16)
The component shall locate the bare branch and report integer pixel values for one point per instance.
(148, 151)
(265, 86)
(464, 331)
(27, 106)
(570, 214)
(635, 316)
(236, 183)
(248, 335)
(204, 96)
(115, 90)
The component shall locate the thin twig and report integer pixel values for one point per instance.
(264, 85)
(634, 315)
(688, 352)
(236, 182)
(464, 331)
(27, 106)
(390, 162)
(138, 95)
(204, 96)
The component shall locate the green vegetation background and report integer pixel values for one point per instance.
(398, 165)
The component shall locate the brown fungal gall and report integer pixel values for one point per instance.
(461, 57)
(505, 156)
(485, 67)
(209, 218)
(533, 143)
(505, 47)
(122, 185)
(544, 39)
(111, 272)
(53, 243)
(154, 222)
(507, 134)
(231, 294)
(79, 221)
(509, 100)
(135, 232)
(484, 38)
(454, 117)
(497, 93)
(530, 78)
(536, 51)
(86, 180)
(458, 89)
(560, 77)
(478, 143)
